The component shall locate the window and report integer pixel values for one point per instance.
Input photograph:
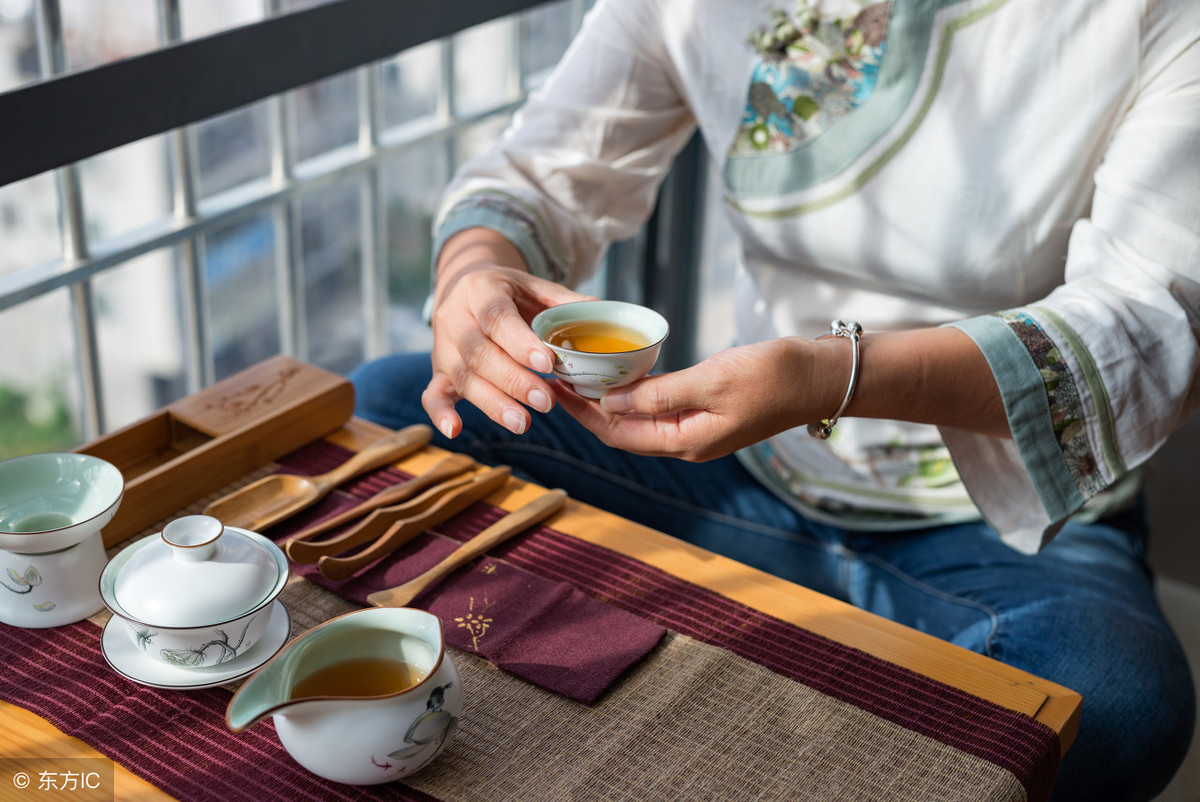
(298, 223)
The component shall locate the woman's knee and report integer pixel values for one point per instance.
(388, 391)
(1138, 710)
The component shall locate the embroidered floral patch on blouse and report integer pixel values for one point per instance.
(812, 70)
(1062, 394)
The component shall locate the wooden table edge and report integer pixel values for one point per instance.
(24, 734)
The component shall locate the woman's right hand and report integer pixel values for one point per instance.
(483, 347)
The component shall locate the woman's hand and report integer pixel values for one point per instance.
(482, 344)
(728, 401)
(746, 394)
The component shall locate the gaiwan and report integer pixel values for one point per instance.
(198, 594)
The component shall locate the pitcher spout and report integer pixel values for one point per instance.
(266, 693)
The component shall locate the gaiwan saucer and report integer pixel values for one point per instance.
(125, 658)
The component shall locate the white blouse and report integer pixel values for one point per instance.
(1026, 170)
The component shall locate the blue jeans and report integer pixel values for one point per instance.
(1081, 613)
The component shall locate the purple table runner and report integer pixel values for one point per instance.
(173, 738)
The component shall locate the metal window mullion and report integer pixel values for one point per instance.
(289, 274)
(193, 289)
(447, 102)
(446, 114)
(372, 216)
(516, 57)
(52, 60)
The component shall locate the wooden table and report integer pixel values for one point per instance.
(24, 734)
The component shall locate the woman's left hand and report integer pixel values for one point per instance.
(730, 400)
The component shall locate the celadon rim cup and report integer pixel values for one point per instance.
(90, 490)
(594, 374)
(189, 647)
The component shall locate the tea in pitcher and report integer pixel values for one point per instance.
(360, 676)
(596, 337)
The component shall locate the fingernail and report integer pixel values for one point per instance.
(540, 400)
(540, 362)
(447, 428)
(617, 401)
(514, 421)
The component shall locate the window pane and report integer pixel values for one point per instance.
(324, 115)
(477, 138)
(18, 44)
(412, 184)
(331, 258)
(125, 188)
(39, 388)
(203, 17)
(545, 33)
(231, 149)
(239, 264)
(410, 85)
(29, 223)
(482, 58)
(102, 31)
(138, 336)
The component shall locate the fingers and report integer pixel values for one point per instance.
(487, 377)
(710, 409)
(657, 395)
(438, 399)
(690, 433)
(499, 321)
(485, 353)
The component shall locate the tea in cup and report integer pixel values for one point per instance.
(601, 345)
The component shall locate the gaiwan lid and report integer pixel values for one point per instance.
(198, 573)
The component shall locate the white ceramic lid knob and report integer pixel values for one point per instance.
(193, 537)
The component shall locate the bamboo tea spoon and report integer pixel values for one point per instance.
(271, 499)
(305, 550)
(402, 531)
(514, 522)
(446, 468)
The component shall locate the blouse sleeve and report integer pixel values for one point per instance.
(581, 162)
(1098, 374)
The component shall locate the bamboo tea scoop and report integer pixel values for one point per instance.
(517, 521)
(273, 498)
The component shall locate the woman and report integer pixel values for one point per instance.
(1001, 193)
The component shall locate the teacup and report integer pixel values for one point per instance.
(52, 509)
(601, 345)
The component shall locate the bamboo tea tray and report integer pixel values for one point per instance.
(201, 443)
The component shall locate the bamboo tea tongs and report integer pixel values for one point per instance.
(514, 522)
(392, 527)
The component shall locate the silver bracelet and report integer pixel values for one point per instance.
(840, 328)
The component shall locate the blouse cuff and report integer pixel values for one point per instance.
(1027, 487)
(508, 218)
